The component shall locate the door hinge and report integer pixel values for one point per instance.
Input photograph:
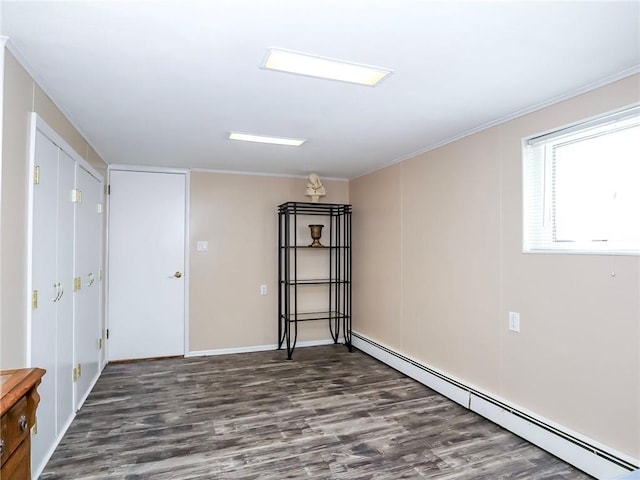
(34, 299)
(99, 344)
(100, 275)
(76, 196)
(36, 175)
(77, 372)
(77, 283)
(108, 189)
(34, 429)
(107, 334)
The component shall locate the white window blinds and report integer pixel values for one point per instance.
(581, 187)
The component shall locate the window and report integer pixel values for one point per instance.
(582, 187)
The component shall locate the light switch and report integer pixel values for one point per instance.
(202, 246)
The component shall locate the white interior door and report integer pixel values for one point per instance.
(52, 277)
(44, 281)
(88, 253)
(146, 291)
(64, 306)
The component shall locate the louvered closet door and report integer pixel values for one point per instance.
(44, 278)
(88, 254)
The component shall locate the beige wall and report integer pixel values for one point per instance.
(442, 238)
(237, 215)
(21, 97)
(377, 260)
(437, 266)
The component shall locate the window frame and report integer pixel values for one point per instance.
(538, 222)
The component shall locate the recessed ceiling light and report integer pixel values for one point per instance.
(321, 67)
(246, 137)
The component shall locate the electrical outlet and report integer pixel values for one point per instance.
(514, 321)
(263, 289)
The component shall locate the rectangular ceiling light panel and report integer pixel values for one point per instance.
(303, 64)
(246, 137)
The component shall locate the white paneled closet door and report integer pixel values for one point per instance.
(52, 278)
(44, 282)
(64, 267)
(88, 256)
(65, 263)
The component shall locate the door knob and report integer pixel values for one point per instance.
(177, 274)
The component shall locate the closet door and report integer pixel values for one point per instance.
(88, 254)
(64, 267)
(44, 280)
(52, 277)
(59, 341)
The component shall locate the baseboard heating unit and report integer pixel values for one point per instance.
(586, 454)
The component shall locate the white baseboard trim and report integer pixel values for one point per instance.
(94, 380)
(36, 470)
(255, 348)
(635, 475)
(586, 454)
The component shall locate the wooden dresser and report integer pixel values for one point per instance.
(18, 402)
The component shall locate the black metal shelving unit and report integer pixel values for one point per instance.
(292, 250)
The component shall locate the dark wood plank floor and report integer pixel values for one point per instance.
(327, 414)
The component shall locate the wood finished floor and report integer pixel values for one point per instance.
(328, 414)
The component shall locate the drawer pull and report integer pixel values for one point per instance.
(23, 423)
(1, 446)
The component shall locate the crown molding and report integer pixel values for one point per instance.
(520, 113)
(21, 59)
(262, 174)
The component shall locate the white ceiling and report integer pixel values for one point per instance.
(163, 82)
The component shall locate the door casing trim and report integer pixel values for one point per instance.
(187, 256)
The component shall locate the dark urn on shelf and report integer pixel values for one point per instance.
(316, 233)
